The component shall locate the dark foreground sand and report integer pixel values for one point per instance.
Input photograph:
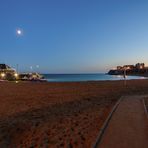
(58, 114)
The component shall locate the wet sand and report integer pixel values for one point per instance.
(58, 114)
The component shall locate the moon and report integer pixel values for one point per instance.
(19, 32)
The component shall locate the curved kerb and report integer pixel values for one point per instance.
(102, 130)
(145, 109)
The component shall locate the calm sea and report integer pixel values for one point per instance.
(85, 77)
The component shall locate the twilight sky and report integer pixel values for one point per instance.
(73, 36)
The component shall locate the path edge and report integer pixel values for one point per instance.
(145, 108)
(103, 128)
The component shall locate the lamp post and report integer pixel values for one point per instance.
(17, 68)
(31, 68)
(37, 67)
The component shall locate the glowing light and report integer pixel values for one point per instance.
(19, 32)
(2, 75)
(16, 75)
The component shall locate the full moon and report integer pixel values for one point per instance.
(19, 32)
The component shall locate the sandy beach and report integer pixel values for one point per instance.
(58, 114)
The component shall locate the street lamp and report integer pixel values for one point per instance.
(3, 75)
(31, 68)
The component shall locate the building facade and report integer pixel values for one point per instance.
(7, 73)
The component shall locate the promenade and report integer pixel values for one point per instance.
(128, 127)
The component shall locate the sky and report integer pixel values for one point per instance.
(73, 36)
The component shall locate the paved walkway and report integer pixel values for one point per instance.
(128, 127)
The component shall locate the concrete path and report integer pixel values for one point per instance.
(128, 127)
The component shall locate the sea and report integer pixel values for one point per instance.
(86, 77)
